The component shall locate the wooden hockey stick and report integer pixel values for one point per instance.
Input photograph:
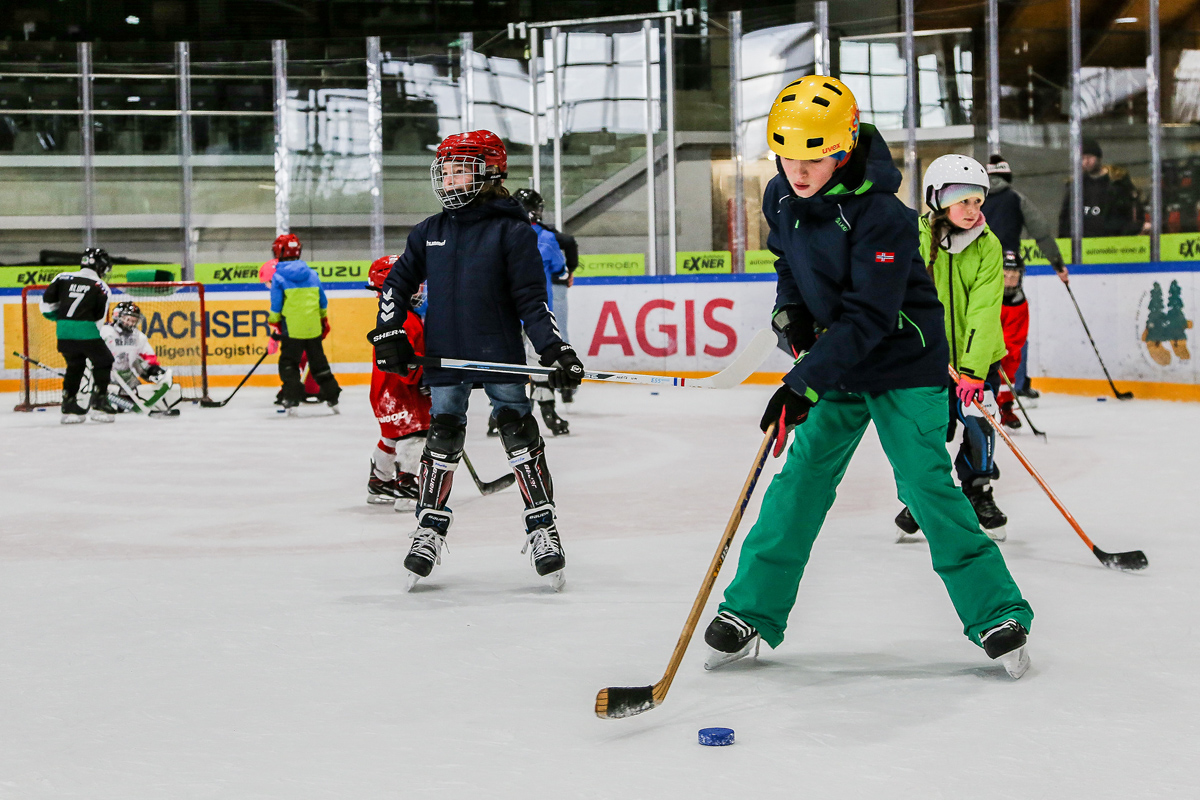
(1130, 561)
(741, 368)
(617, 702)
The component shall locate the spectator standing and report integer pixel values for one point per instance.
(1110, 200)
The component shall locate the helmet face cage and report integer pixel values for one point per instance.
(458, 179)
(127, 315)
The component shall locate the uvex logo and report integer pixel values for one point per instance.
(830, 149)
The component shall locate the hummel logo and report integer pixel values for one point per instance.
(435, 244)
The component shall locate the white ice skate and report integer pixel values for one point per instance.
(716, 659)
(1015, 663)
(729, 638)
(997, 534)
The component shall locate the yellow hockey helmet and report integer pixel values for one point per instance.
(813, 117)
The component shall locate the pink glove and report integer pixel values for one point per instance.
(968, 390)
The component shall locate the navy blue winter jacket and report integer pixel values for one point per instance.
(485, 276)
(851, 256)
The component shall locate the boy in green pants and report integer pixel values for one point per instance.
(862, 315)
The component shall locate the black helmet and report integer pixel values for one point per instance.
(532, 202)
(123, 309)
(97, 260)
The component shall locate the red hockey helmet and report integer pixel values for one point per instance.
(286, 247)
(465, 163)
(378, 273)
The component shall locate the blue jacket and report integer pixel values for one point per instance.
(553, 260)
(850, 256)
(485, 276)
(298, 300)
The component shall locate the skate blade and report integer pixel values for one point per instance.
(998, 534)
(404, 505)
(72, 419)
(333, 407)
(557, 580)
(1015, 662)
(411, 581)
(904, 536)
(717, 659)
(100, 416)
(379, 499)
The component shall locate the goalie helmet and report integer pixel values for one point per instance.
(127, 316)
(465, 163)
(96, 259)
(286, 247)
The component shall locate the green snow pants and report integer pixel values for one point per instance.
(912, 429)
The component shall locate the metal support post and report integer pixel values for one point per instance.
(651, 208)
(1076, 139)
(183, 65)
(466, 67)
(556, 125)
(1154, 123)
(283, 157)
(668, 85)
(737, 245)
(535, 36)
(911, 166)
(87, 143)
(993, 76)
(821, 48)
(375, 144)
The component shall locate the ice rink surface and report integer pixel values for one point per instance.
(205, 607)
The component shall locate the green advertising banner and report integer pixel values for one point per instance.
(247, 272)
(1120, 249)
(604, 266)
(709, 262)
(760, 261)
(18, 277)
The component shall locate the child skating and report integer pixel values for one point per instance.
(853, 297)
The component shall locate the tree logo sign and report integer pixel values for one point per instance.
(1165, 330)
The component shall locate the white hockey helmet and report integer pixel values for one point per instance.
(949, 170)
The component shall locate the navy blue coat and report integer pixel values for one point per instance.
(851, 256)
(485, 276)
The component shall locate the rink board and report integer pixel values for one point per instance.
(695, 324)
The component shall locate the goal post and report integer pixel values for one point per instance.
(174, 318)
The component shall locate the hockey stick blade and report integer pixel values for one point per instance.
(1124, 395)
(619, 702)
(1131, 561)
(488, 487)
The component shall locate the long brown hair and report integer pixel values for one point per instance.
(939, 228)
(490, 191)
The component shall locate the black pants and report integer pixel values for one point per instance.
(289, 369)
(77, 352)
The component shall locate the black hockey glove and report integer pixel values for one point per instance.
(797, 326)
(793, 408)
(393, 352)
(153, 371)
(569, 372)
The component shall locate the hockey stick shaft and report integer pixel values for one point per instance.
(615, 703)
(735, 373)
(488, 487)
(1119, 394)
(85, 385)
(1020, 405)
(1042, 481)
(221, 403)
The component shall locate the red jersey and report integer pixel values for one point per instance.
(400, 406)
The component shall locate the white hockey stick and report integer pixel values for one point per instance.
(741, 368)
(132, 396)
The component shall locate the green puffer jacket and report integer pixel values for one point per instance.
(969, 276)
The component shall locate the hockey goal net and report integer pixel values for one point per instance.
(174, 320)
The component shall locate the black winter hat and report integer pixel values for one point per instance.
(1092, 148)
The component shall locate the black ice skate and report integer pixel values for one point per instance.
(729, 639)
(492, 429)
(1029, 395)
(991, 518)
(381, 491)
(427, 542)
(408, 491)
(1006, 642)
(545, 548)
(554, 423)
(906, 525)
(72, 412)
(1008, 417)
(568, 395)
(102, 409)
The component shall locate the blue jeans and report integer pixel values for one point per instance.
(453, 399)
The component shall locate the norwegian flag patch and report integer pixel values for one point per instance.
(885, 258)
